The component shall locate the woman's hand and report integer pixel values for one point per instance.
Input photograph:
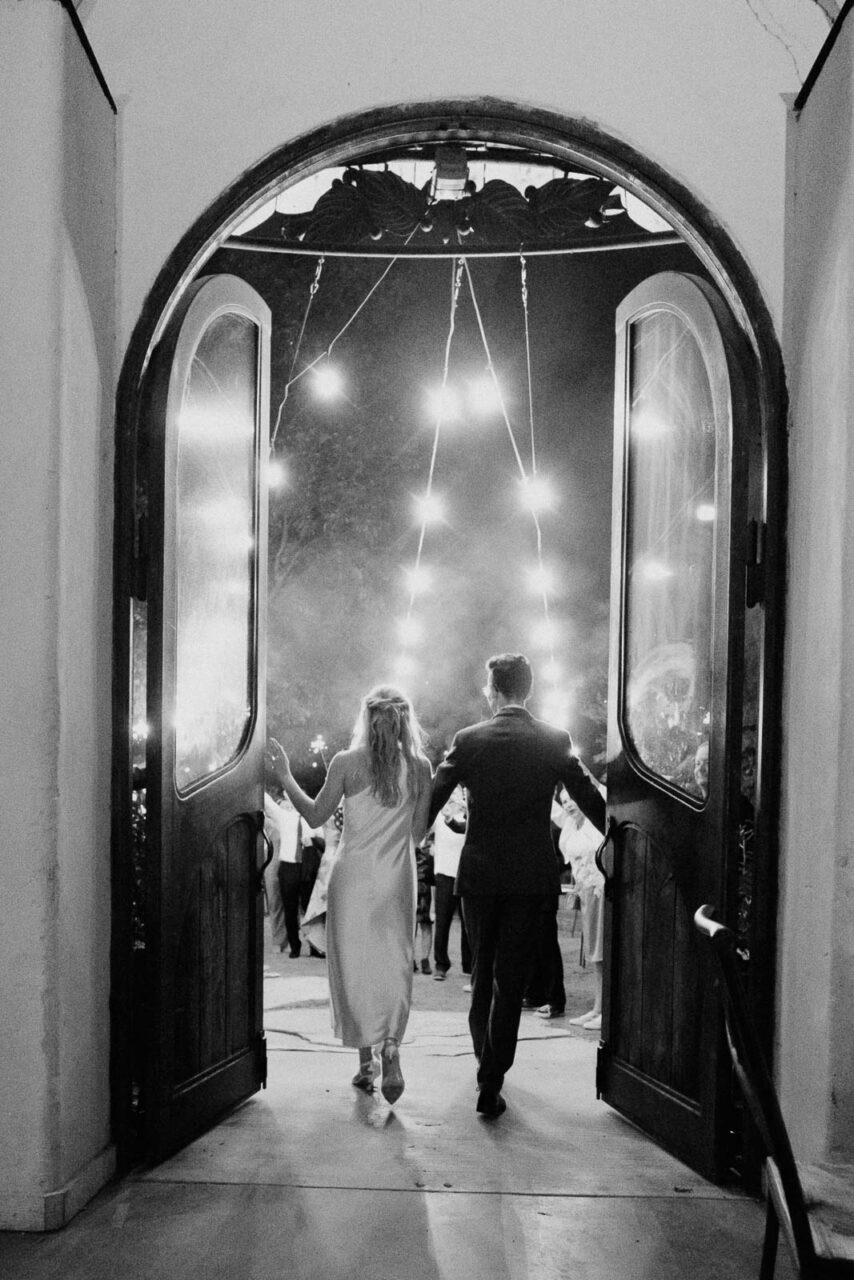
(276, 760)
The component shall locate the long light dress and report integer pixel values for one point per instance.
(370, 921)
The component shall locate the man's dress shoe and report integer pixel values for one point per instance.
(490, 1104)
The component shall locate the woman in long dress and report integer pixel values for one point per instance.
(384, 780)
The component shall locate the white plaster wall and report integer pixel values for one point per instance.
(207, 88)
(816, 977)
(57, 261)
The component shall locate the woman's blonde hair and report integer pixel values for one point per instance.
(388, 729)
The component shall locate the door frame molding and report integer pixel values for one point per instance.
(340, 142)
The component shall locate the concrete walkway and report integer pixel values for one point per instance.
(312, 1180)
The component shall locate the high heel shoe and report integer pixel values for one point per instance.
(392, 1085)
(365, 1077)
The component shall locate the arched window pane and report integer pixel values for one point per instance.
(671, 513)
(215, 553)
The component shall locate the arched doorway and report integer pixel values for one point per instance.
(158, 1003)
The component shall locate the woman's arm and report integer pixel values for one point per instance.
(421, 812)
(314, 812)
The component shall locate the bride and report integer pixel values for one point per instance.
(384, 780)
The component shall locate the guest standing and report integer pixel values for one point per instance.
(449, 833)
(288, 836)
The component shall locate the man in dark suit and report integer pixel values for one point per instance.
(509, 766)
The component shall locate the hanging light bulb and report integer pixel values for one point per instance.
(706, 512)
(327, 379)
(277, 476)
(537, 493)
(430, 508)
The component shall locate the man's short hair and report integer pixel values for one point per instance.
(511, 675)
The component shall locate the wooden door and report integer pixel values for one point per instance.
(677, 608)
(208, 430)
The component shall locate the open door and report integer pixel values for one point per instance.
(208, 418)
(674, 732)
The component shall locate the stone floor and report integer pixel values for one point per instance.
(311, 1180)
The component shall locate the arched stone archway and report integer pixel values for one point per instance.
(341, 142)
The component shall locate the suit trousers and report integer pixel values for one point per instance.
(290, 876)
(546, 984)
(503, 930)
(447, 902)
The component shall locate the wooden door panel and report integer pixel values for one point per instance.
(206, 661)
(677, 606)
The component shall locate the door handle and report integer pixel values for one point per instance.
(607, 869)
(259, 818)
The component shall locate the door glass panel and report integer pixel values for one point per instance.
(670, 521)
(215, 551)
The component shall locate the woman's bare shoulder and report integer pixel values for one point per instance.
(355, 769)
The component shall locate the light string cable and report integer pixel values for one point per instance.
(523, 270)
(526, 476)
(523, 267)
(325, 354)
(315, 285)
(456, 281)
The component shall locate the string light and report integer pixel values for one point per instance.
(706, 512)
(277, 476)
(327, 381)
(431, 509)
(537, 493)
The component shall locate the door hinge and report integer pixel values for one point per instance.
(754, 574)
(261, 1059)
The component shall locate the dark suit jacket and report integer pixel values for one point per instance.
(510, 766)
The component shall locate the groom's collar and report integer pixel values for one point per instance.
(511, 708)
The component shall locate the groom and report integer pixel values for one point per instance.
(510, 766)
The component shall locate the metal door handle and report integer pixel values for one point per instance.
(610, 838)
(259, 818)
